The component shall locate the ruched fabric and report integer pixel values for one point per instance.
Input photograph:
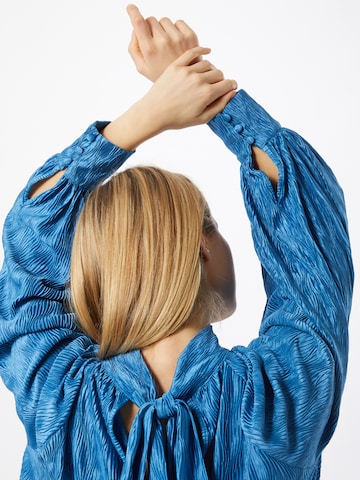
(265, 411)
(165, 439)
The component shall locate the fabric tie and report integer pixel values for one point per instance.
(165, 406)
(176, 455)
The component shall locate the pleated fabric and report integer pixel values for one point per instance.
(265, 411)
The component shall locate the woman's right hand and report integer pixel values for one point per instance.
(186, 94)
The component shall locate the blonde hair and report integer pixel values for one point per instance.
(136, 274)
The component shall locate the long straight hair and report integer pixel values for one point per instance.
(136, 274)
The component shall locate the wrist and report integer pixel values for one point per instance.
(135, 126)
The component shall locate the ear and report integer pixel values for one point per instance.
(204, 249)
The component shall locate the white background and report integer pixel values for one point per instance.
(65, 64)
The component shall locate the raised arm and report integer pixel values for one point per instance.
(299, 361)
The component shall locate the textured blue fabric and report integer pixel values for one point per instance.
(261, 412)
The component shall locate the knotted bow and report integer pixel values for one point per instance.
(176, 455)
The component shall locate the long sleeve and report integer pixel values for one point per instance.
(37, 335)
(297, 365)
(262, 411)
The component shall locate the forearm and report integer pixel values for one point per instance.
(133, 128)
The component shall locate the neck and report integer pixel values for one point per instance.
(162, 356)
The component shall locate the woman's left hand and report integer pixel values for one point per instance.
(156, 44)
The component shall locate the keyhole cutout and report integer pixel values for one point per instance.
(127, 413)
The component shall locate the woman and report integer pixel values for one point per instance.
(135, 384)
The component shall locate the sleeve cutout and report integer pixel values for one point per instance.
(45, 184)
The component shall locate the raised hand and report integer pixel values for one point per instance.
(189, 93)
(186, 94)
(156, 44)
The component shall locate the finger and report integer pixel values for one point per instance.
(154, 26)
(138, 22)
(134, 14)
(221, 88)
(190, 55)
(185, 30)
(213, 76)
(202, 66)
(169, 27)
(217, 106)
(134, 48)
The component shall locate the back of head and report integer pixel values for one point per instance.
(136, 271)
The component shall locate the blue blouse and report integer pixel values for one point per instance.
(265, 411)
